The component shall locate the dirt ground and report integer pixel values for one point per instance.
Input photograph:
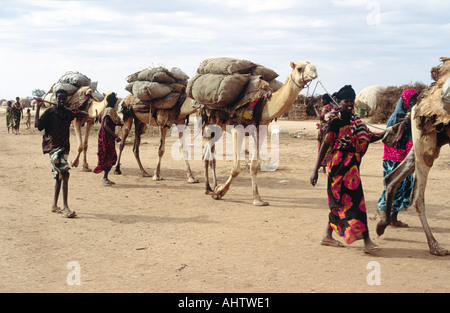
(167, 236)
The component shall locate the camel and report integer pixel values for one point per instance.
(273, 107)
(94, 109)
(164, 119)
(430, 131)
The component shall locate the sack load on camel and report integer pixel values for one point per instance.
(155, 88)
(232, 85)
(80, 89)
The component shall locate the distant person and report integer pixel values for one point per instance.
(28, 118)
(107, 138)
(17, 112)
(393, 156)
(55, 122)
(9, 116)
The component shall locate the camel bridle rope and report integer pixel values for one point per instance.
(332, 98)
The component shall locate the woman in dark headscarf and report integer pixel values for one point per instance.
(393, 156)
(348, 138)
(107, 138)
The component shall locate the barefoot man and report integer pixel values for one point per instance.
(55, 122)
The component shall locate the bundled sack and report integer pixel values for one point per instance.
(71, 82)
(445, 96)
(132, 103)
(147, 91)
(256, 88)
(76, 79)
(159, 74)
(71, 89)
(229, 82)
(159, 87)
(80, 89)
(217, 90)
(226, 66)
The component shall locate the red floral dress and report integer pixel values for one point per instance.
(348, 140)
(107, 156)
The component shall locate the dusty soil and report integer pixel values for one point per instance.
(167, 236)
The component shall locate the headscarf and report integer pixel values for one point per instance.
(108, 111)
(346, 92)
(326, 97)
(407, 96)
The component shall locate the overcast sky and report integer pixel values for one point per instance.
(357, 42)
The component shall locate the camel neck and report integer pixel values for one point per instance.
(281, 101)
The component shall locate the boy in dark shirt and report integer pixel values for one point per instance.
(56, 123)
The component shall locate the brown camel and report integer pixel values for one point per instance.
(164, 119)
(94, 109)
(430, 126)
(273, 107)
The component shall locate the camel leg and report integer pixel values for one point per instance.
(77, 127)
(221, 190)
(89, 125)
(208, 189)
(391, 182)
(254, 160)
(161, 150)
(207, 162)
(427, 151)
(139, 128)
(190, 176)
(127, 124)
(213, 168)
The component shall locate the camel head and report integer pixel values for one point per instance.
(189, 106)
(281, 100)
(442, 70)
(303, 73)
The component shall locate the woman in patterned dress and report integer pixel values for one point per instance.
(17, 111)
(107, 138)
(393, 156)
(9, 116)
(348, 138)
